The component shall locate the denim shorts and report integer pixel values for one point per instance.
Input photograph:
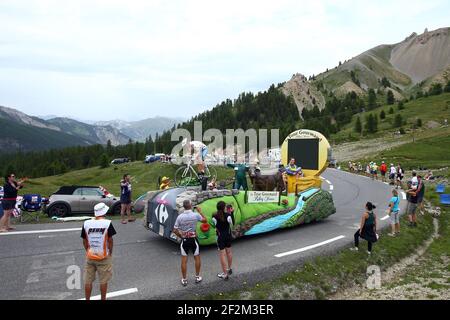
(394, 217)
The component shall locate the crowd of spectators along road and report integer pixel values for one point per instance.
(395, 174)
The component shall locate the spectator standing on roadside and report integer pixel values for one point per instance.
(414, 180)
(367, 229)
(383, 170)
(223, 221)
(125, 198)
(420, 193)
(185, 227)
(411, 208)
(392, 174)
(98, 242)
(394, 213)
(400, 175)
(373, 170)
(9, 200)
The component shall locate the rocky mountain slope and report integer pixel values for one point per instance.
(97, 134)
(407, 65)
(305, 94)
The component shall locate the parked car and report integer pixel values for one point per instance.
(120, 160)
(152, 158)
(79, 199)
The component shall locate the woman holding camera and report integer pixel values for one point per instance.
(9, 200)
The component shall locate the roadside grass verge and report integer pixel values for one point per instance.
(427, 153)
(322, 276)
(144, 178)
(424, 275)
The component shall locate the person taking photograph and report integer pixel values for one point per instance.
(125, 198)
(10, 189)
(223, 221)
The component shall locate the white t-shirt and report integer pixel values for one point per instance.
(197, 145)
(414, 182)
(393, 170)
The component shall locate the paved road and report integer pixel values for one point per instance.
(146, 266)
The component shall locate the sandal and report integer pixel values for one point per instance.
(131, 220)
(3, 230)
(124, 221)
(11, 228)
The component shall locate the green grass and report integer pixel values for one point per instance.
(432, 108)
(428, 152)
(144, 178)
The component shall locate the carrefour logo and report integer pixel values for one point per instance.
(161, 209)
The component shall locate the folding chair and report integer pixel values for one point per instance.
(445, 199)
(30, 207)
(440, 188)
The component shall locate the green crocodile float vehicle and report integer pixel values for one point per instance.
(163, 207)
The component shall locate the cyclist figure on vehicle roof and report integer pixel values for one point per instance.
(199, 150)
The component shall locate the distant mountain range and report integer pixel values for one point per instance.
(19, 131)
(407, 67)
(142, 129)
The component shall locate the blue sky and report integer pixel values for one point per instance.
(110, 59)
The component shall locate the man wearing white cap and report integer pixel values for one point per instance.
(98, 242)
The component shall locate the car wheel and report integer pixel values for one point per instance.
(59, 210)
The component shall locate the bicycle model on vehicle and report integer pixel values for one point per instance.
(186, 175)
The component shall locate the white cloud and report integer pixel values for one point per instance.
(161, 56)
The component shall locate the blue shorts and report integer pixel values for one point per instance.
(204, 153)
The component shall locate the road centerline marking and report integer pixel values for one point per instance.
(11, 233)
(114, 294)
(280, 255)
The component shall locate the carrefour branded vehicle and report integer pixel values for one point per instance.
(250, 217)
(80, 199)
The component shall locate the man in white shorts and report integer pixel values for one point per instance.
(200, 150)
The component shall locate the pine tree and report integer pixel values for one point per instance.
(382, 115)
(447, 86)
(104, 161)
(358, 125)
(419, 122)
(372, 99)
(436, 89)
(371, 124)
(398, 121)
(390, 97)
